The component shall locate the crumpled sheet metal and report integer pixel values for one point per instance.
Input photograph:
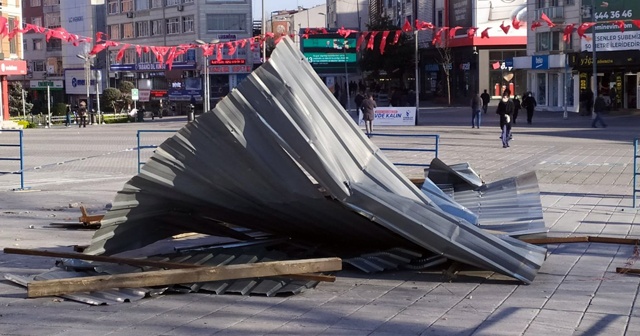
(246, 163)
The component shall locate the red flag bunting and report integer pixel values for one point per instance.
(97, 49)
(383, 42)
(372, 37)
(139, 50)
(99, 36)
(396, 38)
(636, 23)
(452, 32)
(471, 32)
(485, 33)
(516, 23)
(535, 24)
(232, 46)
(546, 19)
(406, 27)
(422, 25)
(504, 28)
(121, 52)
(361, 39)
(620, 25)
(583, 28)
(568, 30)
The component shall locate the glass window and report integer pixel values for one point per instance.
(226, 22)
(156, 27)
(54, 45)
(142, 28)
(36, 3)
(187, 24)
(127, 30)
(114, 32)
(569, 91)
(36, 20)
(173, 2)
(112, 57)
(112, 7)
(173, 26)
(156, 4)
(38, 65)
(129, 56)
(52, 20)
(126, 6)
(37, 44)
(541, 83)
(142, 4)
(51, 2)
(13, 43)
(550, 41)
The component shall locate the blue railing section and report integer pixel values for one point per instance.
(635, 171)
(20, 158)
(432, 146)
(140, 146)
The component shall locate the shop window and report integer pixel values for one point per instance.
(129, 56)
(541, 83)
(37, 21)
(54, 45)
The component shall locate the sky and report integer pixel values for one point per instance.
(273, 5)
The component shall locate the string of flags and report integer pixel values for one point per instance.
(168, 54)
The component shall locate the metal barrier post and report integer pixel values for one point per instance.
(21, 158)
(435, 149)
(139, 147)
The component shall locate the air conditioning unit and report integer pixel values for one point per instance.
(130, 15)
(180, 8)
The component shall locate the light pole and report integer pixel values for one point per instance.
(207, 99)
(344, 47)
(594, 56)
(417, 74)
(325, 19)
(87, 77)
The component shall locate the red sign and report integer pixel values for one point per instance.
(230, 69)
(158, 93)
(233, 61)
(13, 68)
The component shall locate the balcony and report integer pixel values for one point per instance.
(556, 14)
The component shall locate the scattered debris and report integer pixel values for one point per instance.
(85, 221)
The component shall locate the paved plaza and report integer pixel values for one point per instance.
(586, 182)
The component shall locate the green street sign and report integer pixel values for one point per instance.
(135, 94)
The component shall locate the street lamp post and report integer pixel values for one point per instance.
(207, 94)
(344, 47)
(417, 74)
(595, 73)
(87, 77)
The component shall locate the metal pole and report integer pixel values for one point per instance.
(21, 161)
(594, 56)
(24, 108)
(264, 35)
(207, 84)
(87, 83)
(417, 75)
(565, 114)
(48, 106)
(346, 75)
(98, 80)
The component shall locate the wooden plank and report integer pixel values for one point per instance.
(627, 270)
(177, 276)
(89, 219)
(613, 240)
(142, 262)
(556, 240)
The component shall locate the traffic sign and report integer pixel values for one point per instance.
(135, 94)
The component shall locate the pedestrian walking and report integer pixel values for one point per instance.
(368, 113)
(529, 103)
(505, 111)
(476, 110)
(358, 100)
(598, 108)
(485, 101)
(67, 119)
(82, 112)
(517, 105)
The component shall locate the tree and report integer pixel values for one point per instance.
(125, 87)
(15, 100)
(396, 57)
(445, 61)
(109, 97)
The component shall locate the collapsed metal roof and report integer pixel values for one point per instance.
(279, 155)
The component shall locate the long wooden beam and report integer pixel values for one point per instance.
(177, 276)
(143, 262)
(582, 239)
(627, 270)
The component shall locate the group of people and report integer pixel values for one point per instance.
(507, 109)
(80, 113)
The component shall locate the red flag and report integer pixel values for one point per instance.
(372, 37)
(97, 49)
(345, 32)
(361, 39)
(535, 24)
(495, 65)
(437, 38)
(243, 43)
(121, 52)
(219, 52)
(232, 47)
(423, 25)
(636, 23)
(583, 28)
(383, 42)
(99, 36)
(4, 27)
(452, 31)
(471, 32)
(516, 23)
(620, 25)
(485, 33)
(145, 49)
(546, 19)
(568, 30)
(406, 27)
(397, 37)
(504, 28)
(139, 50)
(172, 55)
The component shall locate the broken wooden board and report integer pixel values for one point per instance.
(178, 276)
(89, 219)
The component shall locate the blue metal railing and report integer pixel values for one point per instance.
(635, 171)
(433, 149)
(21, 158)
(139, 147)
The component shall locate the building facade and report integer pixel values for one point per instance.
(173, 23)
(352, 14)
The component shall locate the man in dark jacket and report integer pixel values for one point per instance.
(505, 111)
(530, 104)
(476, 110)
(598, 108)
(485, 101)
(368, 113)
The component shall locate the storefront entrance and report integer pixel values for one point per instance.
(631, 90)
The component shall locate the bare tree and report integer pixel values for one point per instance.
(446, 61)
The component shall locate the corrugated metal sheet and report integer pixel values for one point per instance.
(252, 162)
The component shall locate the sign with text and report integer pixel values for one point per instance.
(608, 35)
(231, 61)
(13, 68)
(75, 82)
(135, 95)
(392, 116)
(328, 53)
(540, 62)
(43, 84)
(230, 69)
(144, 95)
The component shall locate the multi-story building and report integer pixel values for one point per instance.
(11, 53)
(54, 65)
(352, 14)
(173, 23)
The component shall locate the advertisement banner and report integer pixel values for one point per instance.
(75, 82)
(330, 53)
(490, 14)
(392, 116)
(608, 35)
(144, 95)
